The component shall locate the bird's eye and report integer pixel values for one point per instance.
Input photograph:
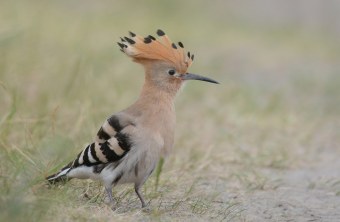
(171, 72)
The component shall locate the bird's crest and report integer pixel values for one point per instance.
(161, 48)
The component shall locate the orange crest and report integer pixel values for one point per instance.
(162, 48)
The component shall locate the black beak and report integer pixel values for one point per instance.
(190, 76)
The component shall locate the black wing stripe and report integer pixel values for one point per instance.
(123, 141)
(93, 152)
(76, 161)
(114, 122)
(86, 157)
(102, 134)
(109, 153)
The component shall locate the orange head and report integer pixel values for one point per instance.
(162, 55)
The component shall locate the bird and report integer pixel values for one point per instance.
(129, 144)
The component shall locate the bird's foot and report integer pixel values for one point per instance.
(146, 209)
(113, 207)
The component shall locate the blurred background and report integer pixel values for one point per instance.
(277, 107)
(59, 48)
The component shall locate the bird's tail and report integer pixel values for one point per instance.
(61, 175)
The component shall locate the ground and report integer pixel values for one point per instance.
(261, 146)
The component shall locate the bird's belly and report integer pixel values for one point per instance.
(135, 167)
(136, 174)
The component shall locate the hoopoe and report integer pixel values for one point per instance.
(130, 143)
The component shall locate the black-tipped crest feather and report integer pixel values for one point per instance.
(160, 32)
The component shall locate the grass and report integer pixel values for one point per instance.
(275, 111)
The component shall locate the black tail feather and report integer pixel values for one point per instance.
(53, 179)
(61, 176)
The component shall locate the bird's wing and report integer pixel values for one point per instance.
(112, 142)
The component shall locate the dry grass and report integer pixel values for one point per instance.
(251, 149)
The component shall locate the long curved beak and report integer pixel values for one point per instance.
(190, 76)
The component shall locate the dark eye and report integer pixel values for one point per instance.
(171, 72)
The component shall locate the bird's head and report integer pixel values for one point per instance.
(165, 62)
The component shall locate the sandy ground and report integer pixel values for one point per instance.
(306, 194)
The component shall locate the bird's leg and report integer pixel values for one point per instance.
(140, 196)
(109, 194)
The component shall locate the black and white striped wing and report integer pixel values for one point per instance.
(110, 144)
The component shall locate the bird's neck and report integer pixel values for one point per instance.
(155, 94)
(156, 111)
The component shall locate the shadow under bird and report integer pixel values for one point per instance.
(130, 143)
